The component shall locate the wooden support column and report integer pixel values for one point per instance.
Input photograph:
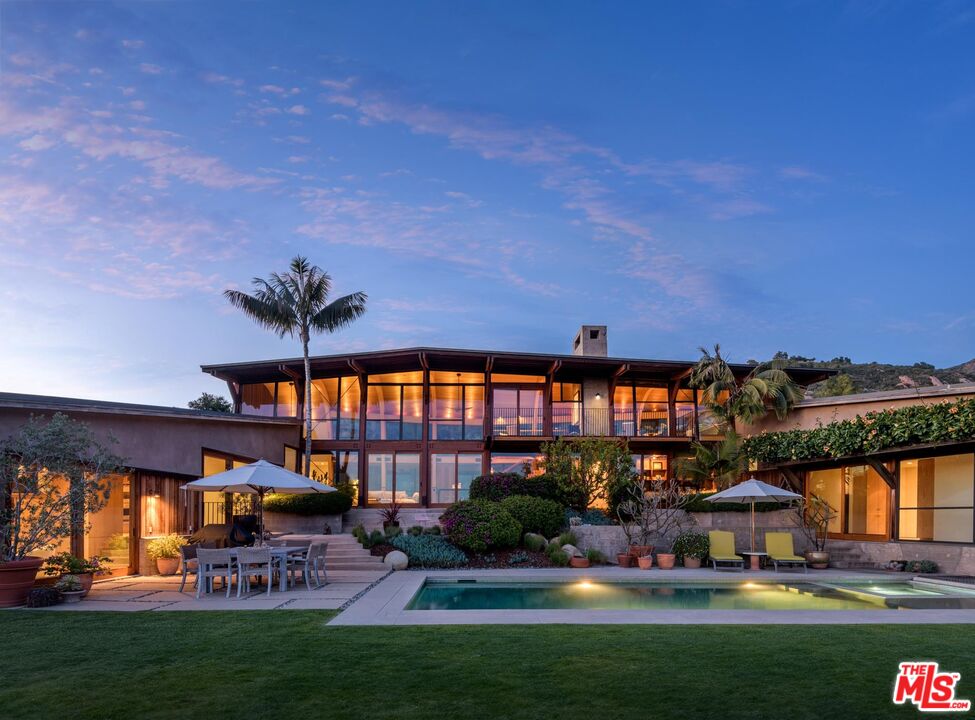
(547, 401)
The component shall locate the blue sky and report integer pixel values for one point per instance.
(772, 176)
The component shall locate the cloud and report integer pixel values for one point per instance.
(150, 69)
(298, 110)
(218, 79)
(795, 172)
(275, 89)
(464, 198)
(36, 143)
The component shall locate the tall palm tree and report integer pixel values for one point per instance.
(749, 399)
(296, 304)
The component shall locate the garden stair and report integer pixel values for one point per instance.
(344, 553)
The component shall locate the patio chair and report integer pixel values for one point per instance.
(213, 564)
(190, 564)
(723, 549)
(311, 562)
(251, 562)
(779, 548)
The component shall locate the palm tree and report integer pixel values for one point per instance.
(296, 303)
(719, 463)
(749, 400)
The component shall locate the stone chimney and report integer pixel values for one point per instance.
(590, 341)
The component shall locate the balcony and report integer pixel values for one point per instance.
(592, 422)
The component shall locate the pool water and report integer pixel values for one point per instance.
(591, 595)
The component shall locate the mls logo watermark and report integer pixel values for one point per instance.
(921, 683)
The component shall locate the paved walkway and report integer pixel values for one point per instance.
(154, 592)
(385, 604)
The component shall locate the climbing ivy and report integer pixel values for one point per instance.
(874, 431)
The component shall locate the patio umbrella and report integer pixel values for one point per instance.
(258, 478)
(753, 491)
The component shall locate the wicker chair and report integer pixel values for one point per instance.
(310, 562)
(251, 562)
(190, 564)
(213, 564)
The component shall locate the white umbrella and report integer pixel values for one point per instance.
(259, 478)
(753, 491)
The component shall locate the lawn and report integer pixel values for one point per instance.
(283, 664)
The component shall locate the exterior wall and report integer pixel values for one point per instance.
(302, 524)
(952, 559)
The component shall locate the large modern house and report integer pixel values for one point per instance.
(415, 426)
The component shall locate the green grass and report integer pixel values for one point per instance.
(290, 665)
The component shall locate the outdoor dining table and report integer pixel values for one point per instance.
(280, 554)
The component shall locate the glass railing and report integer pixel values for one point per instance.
(570, 421)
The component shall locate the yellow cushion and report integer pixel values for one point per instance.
(779, 546)
(722, 544)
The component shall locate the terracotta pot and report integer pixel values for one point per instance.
(16, 580)
(624, 560)
(579, 562)
(167, 566)
(638, 551)
(692, 562)
(72, 596)
(817, 559)
(645, 562)
(666, 560)
(86, 579)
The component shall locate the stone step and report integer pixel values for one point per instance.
(356, 565)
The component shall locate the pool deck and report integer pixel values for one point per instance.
(385, 604)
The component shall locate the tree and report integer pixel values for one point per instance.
(749, 399)
(587, 469)
(52, 475)
(296, 303)
(718, 463)
(214, 403)
(654, 515)
(841, 384)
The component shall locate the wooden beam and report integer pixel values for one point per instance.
(356, 367)
(292, 373)
(792, 478)
(489, 363)
(883, 472)
(423, 361)
(683, 374)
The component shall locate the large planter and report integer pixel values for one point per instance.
(578, 562)
(666, 561)
(167, 566)
(645, 562)
(86, 579)
(692, 563)
(72, 596)
(625, 559)
(817, 559)
(16, 580)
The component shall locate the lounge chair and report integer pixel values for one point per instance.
(778, 546)
(723, 549)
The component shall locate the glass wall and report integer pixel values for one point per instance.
(518, 411)
(269, 399)
(651, 410)
(451, 475)
(516, 463)
(859, 497)
(456, 408)
(651, 467)
(684, 413)
(336, 467)
(109, 528)
(335, 408)
(394, 477)
(394, 410)
(567, 409)
(936, 499)
(708, 424)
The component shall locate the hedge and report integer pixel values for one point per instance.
(699, 503)
(872, 432)
(333, 503)
(498, 486)
(480, 525)
(535, 514)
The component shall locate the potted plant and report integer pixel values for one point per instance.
(813, 516)
(691, 548)
(53, 474)
(645, 562)
(578, 562)
(624, 559)
(654, 514)
(165, 551)
(70, 588)
(85, 570)
(390, 515)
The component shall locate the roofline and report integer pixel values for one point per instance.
(48, 402)
(932, 391)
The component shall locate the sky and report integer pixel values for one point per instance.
(789, 176)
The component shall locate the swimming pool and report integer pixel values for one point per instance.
(468, 594)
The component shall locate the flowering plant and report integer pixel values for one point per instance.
(67, 564)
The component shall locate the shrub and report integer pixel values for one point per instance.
(165, 547)
(479, 525)
(691, 544)
(535, 514)
(376, 537)
(43, 597)
(921, 566)
(498, 486)
(699, 503)
(68, 583)
(535, 542)
(434, 530)
(333, 503)
(595, 556)
(518, 558)
(592, 516)
(568, 538)
(67, 564)
(392, 531)
(559, 558)
(429, 551)
(359, 533)
(416, 530)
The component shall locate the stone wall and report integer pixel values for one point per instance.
(952, 559)
(302, 524)
(371, 518)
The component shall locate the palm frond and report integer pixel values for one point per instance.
(340, 312)
(264, 309)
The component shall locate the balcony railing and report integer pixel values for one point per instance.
(593, 422)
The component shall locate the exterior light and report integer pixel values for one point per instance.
(599, 396)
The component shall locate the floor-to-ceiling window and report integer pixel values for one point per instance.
(518, 403)
(640, 409)
(936, 498)
(109, 529)
(270, 399)
(456, 406)
(335, 408)
(684, 413)
(394, 406)
(393, 477)
(567, 412)
(522, 463)
(451, 475)
(337, 467)
(858, 496)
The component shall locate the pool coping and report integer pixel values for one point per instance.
(385, 604)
